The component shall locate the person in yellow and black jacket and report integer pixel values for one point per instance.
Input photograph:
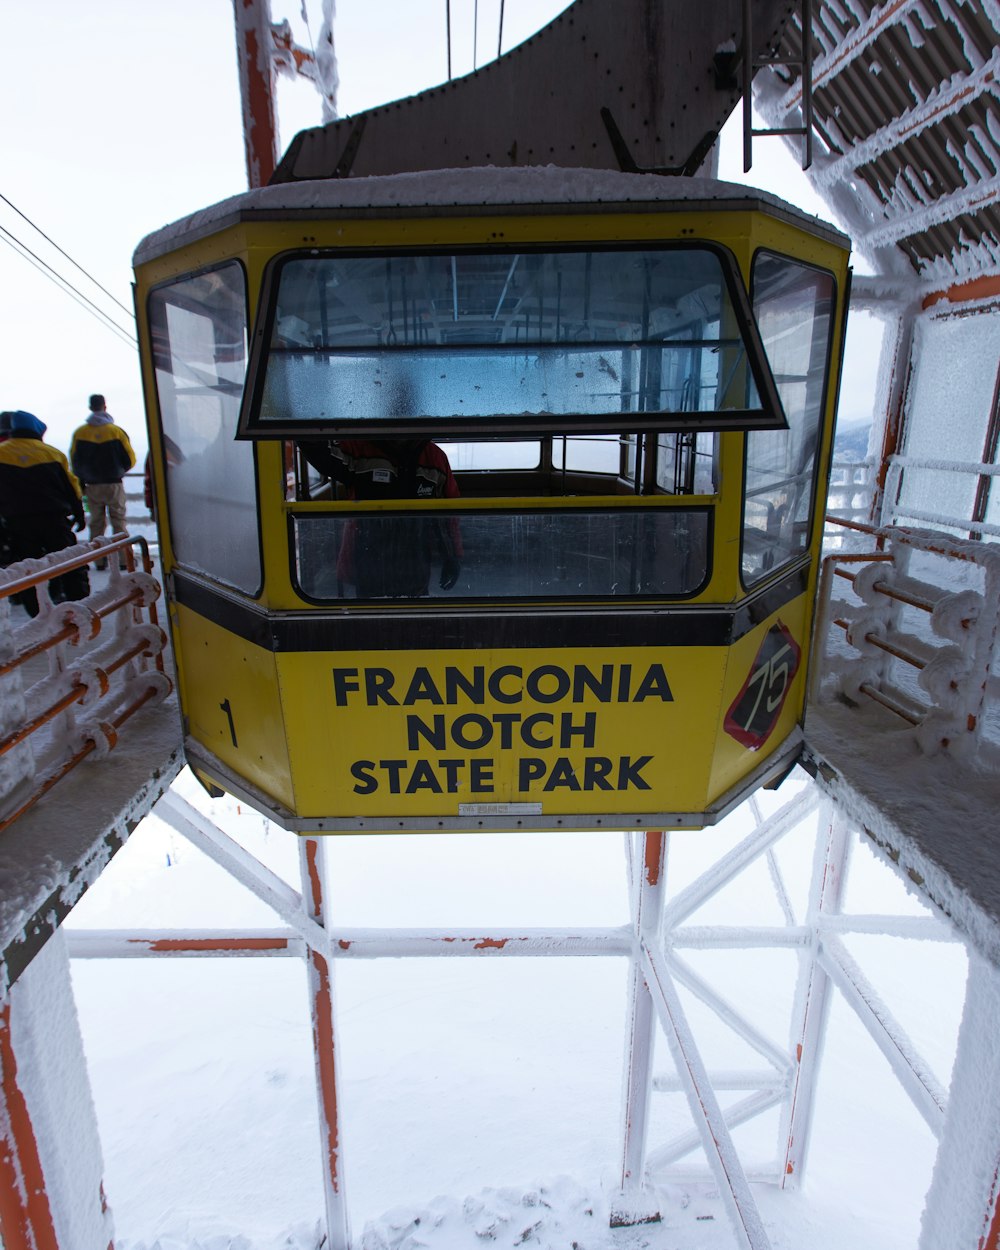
(101, 455)
(38, 495)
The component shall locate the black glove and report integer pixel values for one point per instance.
(450, 569)
(79, 520)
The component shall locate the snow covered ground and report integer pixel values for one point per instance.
(480, 1096)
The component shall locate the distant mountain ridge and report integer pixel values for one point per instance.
(851, 442)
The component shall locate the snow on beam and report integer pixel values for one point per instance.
(946, 100)
(926, 1092)
(730, 865)
(779, 1059)
(378, 943)
(736, 937)
(911, 221)
(347, 943)
(734, 1189)
(919, 928)
(193, 825)
(55, 851)
(850, 49)
(728, 1079)
(739, 1113)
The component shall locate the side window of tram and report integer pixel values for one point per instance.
(794, 306)
(199, 332)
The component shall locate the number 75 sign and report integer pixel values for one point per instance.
(755, 710)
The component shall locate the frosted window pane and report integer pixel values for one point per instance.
(948, 408)
(474, 336)
(200, 345)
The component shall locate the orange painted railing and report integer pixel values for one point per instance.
(104, 658)
(920, 629)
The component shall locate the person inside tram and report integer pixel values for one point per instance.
(388, 556)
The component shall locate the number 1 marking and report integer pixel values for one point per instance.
(232, 727)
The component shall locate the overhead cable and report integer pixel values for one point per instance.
(67, 287)
(66, 254)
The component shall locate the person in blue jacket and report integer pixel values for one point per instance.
(38, 496)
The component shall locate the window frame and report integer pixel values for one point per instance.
(161, 450)
(825, 419)
(770, 415)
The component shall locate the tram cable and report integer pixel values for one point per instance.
(67, 287)
(60, 250)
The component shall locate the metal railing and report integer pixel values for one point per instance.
(915, 631)
(74, 674)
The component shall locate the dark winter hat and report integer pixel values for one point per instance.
(5, 420)
(26, 423)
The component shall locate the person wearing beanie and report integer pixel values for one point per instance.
(101, 455)
(38, 495)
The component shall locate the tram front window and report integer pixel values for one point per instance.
(507, 343)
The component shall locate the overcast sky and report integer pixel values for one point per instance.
(122, 115)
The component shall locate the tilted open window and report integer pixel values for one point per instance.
(478, 343)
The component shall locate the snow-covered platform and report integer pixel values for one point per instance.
(52, 853)
(932, 817)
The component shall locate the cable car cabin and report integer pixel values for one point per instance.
(492, 499)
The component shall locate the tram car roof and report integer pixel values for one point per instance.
(488, 190)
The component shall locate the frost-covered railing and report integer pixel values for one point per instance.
(900, 502)
(73, 675)
(911, 623)
(849, 495)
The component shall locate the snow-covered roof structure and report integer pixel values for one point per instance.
(906, 102)
(438, 192)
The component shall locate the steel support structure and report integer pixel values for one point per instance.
(661, 980)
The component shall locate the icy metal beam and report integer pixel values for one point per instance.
(730, 865)
(319, 972)
(734, 1190)
(348, 943)
(928, 1095)
(375, 943)
(840, 58)
(186, 820)
(646, 901)
(948, 99)
(812, 997)
(739, 1113)
(736, 937)
(728, 1014)
(902, 223)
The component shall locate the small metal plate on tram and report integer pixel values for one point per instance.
(499, 809)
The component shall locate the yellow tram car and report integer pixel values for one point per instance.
(630, 385)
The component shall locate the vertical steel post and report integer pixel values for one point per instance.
(813, 993)
(51, 1188)
(319, 971)
(25, 1213)
(899, 346)
(257, 88)
(647, 908)
(963, 1201)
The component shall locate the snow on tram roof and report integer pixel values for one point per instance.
(451, 190)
